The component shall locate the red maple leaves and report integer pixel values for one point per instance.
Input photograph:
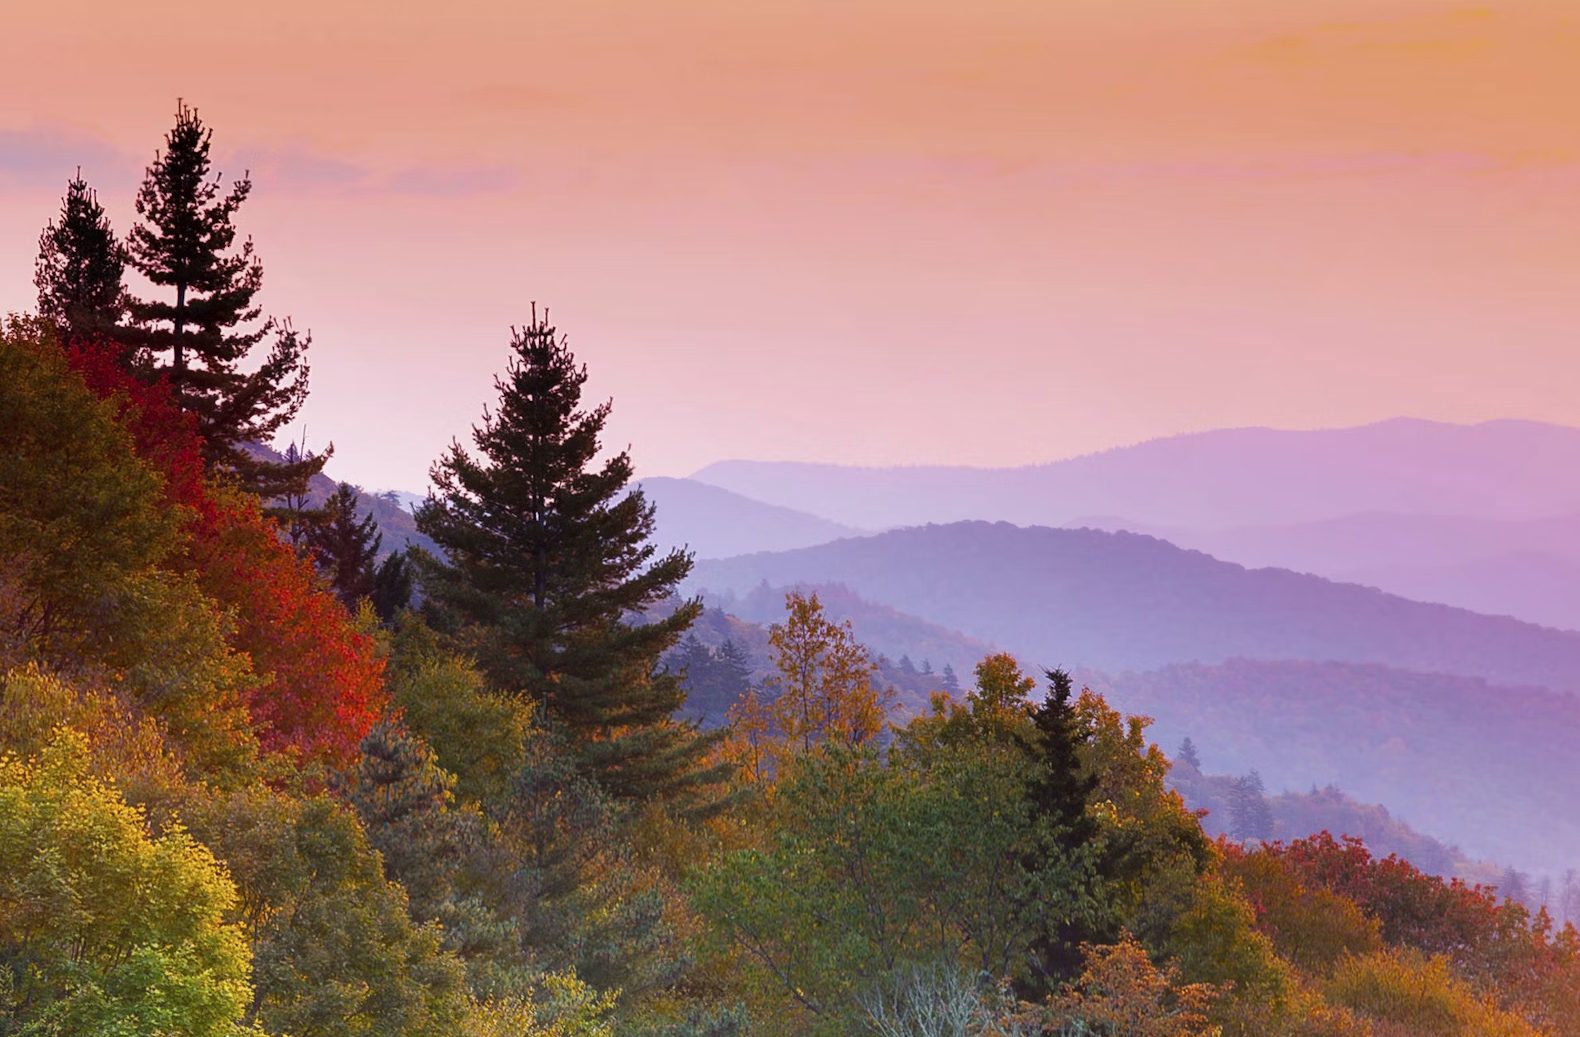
(321, 685)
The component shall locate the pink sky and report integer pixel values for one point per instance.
(861, 230)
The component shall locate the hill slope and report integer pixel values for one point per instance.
(1489, 767)
(1116, 601)
(1527, 568)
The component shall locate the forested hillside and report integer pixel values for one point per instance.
(1464, 759)
(1114, 601)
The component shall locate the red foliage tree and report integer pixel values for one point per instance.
(322, 683)
(1500, 947)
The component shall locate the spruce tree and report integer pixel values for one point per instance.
(1188, 756)
(548, 570)
(950, 682)
(345, 547)
(186, 244)
(1059, 794)
(80, 271)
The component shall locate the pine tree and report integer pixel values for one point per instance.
(1059, 795)
(1061, 790)
(1249, 815)
(80, 271)
(948, 680)
(407, 804)
(734, 669)
(392, 586)
(295, 508)
(547, 568)
(1187, 755)
(345, 547)
(187, 243)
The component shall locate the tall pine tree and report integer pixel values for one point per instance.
(548, 570)
(80, 271)
(186, 244)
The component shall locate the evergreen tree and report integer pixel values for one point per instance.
(1059, 794)
(187, 244)
(1061, 790)
(406, 803)
(295, 508)
(81, 265)
(948, 680)
(695, 665)
(734, 670)
(345, 547)
(1187, 755)
(1249, 815)
(548, 568)
(392, 586)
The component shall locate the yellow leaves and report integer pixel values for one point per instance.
(1121, 991)
(1420, 996)
(822, 692)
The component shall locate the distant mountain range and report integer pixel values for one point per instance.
(716, 523)
(1118, 601)
(1527, 568)
(1488, 766)
(1208, 480)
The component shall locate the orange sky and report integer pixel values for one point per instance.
(861, 230)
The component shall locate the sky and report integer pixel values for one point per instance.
(864, 231)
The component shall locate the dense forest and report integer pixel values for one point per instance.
(262, 773)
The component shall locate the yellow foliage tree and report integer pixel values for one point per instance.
(822, 691)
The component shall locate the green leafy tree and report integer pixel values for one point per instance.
(81, 270)
(106, 929)
(186, 244)
(477, 736)
(336, 953)
(547, 565)
(582, 903)
(87, 545)
(873, 865)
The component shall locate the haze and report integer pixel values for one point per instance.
(867, 232)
